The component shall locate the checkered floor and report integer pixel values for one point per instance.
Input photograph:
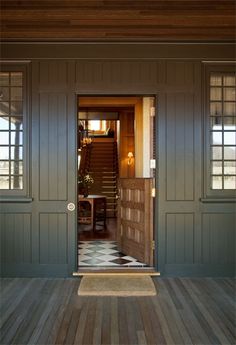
(105, 254)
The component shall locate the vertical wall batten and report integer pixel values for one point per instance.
(53, 147)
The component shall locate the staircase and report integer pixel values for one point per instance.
(103, 167)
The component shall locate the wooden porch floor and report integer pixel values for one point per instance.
(185, 311)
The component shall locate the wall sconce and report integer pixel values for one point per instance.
(130, 157)
(86, 141)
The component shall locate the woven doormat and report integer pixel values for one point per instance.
(125, 285)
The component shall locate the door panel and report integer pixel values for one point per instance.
(135, 218)
(53, 146)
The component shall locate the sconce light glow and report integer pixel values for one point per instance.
(130, 156)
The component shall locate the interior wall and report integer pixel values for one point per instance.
(193, 237)
(126, 143)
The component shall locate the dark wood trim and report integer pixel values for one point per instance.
(118, 50)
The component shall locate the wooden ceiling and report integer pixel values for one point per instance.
(118, 20)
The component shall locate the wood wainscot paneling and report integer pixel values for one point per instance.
(190, 235)
(16, 238)
(53, 238)
(53, 146)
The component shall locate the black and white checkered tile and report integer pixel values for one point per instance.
(105, 254)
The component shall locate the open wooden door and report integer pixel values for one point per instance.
(135, 218)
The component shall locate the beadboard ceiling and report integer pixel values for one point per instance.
(118, 20)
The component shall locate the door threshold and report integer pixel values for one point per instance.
(116, 271)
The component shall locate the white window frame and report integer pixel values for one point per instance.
(24, 68)
(209, 68)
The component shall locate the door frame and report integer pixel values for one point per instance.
(156, 96)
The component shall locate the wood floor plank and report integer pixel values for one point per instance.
(163, 321)
(32, 318)
(201, 319)
(50, 321)
(82, 321)
(215, 292)
(114, 322)
(64, 326)
(129, 309)
(69, 287)
(141, 338)
(202, 308)
(146, 321)
(19, 288)
(90, 321)
(47, 311)
(176, 326)
(213, 308)
(194, 311)
(123, 322)
(97, 331)
(189, 325)
(16, 316)
(106, 321)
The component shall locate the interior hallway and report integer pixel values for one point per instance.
(109, 234)
(100, 248)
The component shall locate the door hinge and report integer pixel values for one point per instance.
(153, 245)
(153, 192)
(152, 163)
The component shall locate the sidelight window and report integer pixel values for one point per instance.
(222, 131)
(12, 130)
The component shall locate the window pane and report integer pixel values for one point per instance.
(229, 182)
(217, 152)
(16, 182)
(229, 138)
(16, 93)
(17, 138)
(16, 167)
(4, 94)
(17, 123)
(230, 123)
(16, 152)
(229, 94)
(216, 182)
(216, 94)
(216, 108)
(216, 123)
(216, 138)
(230, 152)
(4, 152)
(4, 123)
(4, 108)
(4, 168)
(4, 182)
(230, 168)
(216, 80)
(4, 78)
(229, 80)
(11, 130)
(16, 79)
(16, 108)
(4, 138)
(216, 168)
(229, 109)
